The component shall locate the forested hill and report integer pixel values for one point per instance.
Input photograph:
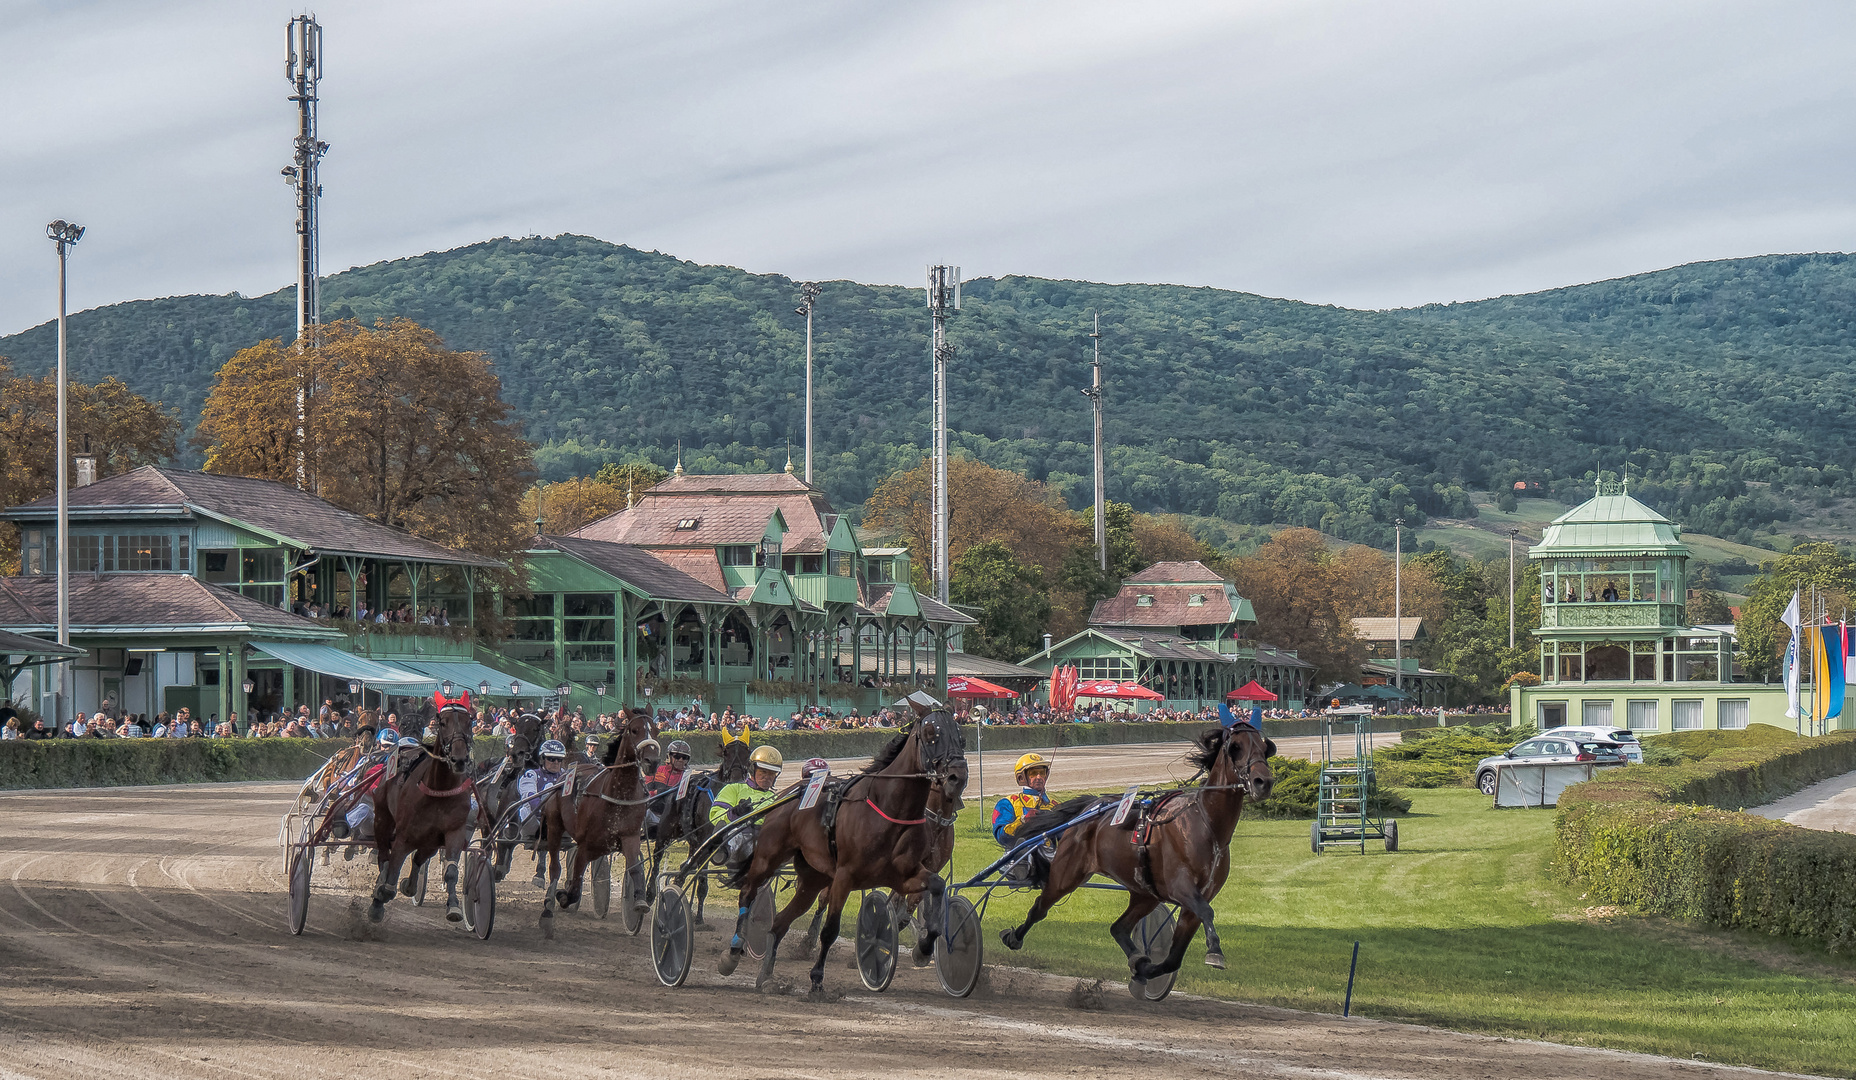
(1707, 377)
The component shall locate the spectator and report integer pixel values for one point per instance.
(39, 730)
(10, 731)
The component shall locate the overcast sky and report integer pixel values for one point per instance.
(1365, 154)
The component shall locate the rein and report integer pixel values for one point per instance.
(871, 803)
(467, 785)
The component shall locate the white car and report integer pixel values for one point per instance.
(1624, 737)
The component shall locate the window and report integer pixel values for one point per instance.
(1104, 667)
(1552, 715)
(217, 566)
(86, 554)
(688, 523)
(541, 605)
(737, 555)
(1685, 715)
(587, 604)
(1731, 713)
(1197, 599)
(33, 556)
(1596, 714)
(838, 564)
(1144, 600)
(1640, 715)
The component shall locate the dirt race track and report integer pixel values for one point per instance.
(142, 935)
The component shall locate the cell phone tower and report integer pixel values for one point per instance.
(943, 297)
(303, 67)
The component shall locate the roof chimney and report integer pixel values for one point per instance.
(86, 470)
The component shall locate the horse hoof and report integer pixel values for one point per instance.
(1216, 960)
(641, 905)
(348, 854)
(539, 882)
(1011, 939)
(923, 953)
(409, 886)
(454, 913)
(376, 912)
(726, 966)
(766, 974)
(501, 874)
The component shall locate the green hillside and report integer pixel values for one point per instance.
(1724, 386)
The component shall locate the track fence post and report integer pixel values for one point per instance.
(1346, 1008)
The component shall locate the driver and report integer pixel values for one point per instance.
(742, 797)
(676, 763)
(1012, 812)
(535, 781)
(362, 812)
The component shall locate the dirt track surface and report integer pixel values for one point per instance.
(142, 935)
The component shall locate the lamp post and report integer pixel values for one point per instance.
(515, 690)
(808, 299)
(447, 688)
(357, 691)
(1512, 533)
(64, 234)
(483, 689)
(1398, 593)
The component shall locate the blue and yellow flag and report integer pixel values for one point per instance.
(1829, 671)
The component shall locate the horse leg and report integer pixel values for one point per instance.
(390, 859)
(933, 892)
(1193, 910)
(1068, 870)
(828, 933)
(635, 866)
(702, 897)
(1122, 929)
(549, 849)
(756, 876)
(804, 890)
(410, 883)
(807, 947)
(454, 912)
(569, 898)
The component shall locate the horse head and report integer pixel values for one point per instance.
(1237, 757)
(734, 766)
(451, 735)
(943, 750)
(636, 741)
(525, 739)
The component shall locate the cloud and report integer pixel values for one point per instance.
(1368, 155)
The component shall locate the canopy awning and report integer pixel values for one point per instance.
(469, 675)
(968, 686)
(1128, 691)
(1250, 691)
(328, 660)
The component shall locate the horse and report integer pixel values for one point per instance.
(344, 759)
(880, 839)
(421, 809)
(602, 809)
(686, 818)
(1185, 856)
(496, 783)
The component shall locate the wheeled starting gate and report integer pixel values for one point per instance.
(1343, 798)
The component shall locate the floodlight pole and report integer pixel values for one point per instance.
(1398, 593)
(808, 299)
(64, 234)
(1094, 393)
(303, 67)
(943, 296)
(1512, 533)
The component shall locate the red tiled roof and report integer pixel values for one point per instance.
(101, 602)
(1195, 572)
(651, 571)
(701, 565)
(721, 510)
(1171, 605)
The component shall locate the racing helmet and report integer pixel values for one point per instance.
(409, 743)
(813, 765)
(553, 749)
(678, 748)
(1027, 763)
(766, 757)
(389, 738)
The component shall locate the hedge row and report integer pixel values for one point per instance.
(706, 746)
(61, 763)
(1665, 839)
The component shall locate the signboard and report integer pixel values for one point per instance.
(1127, 803)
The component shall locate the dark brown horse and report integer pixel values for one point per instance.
(1185, 859)
(602, 810)
(686, 818)
(881, 839)
(344, 759)
(496, 783)
(421, 809)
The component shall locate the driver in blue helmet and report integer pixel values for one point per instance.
(358, 822)
(533, 782)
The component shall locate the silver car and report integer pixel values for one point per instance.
(1549, 749)
(1624, 737)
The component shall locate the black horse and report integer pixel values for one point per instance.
(685, 817)
(496, 782)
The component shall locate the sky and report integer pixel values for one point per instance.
(1365, 154)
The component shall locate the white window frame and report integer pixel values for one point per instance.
(1741, 706)
(1586, 717)
(1696, 707)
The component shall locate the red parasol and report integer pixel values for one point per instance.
(1250, 691)
(968, 686)
(1108, 688)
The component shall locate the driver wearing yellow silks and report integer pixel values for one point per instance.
(1010, 813)
(742, 797)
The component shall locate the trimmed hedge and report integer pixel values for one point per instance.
(706, 746)
(1666, 839)
(61, 763)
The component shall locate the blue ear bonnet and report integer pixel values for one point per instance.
(1227, 718)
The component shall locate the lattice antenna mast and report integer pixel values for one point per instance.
(1094, 394)
(303, 67)
(808, 299)
(943, 297)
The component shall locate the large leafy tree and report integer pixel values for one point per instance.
(1302, 602)
(399, 428)
(1009, 595)
(122, 429)
(1762, 637)
(570, 504)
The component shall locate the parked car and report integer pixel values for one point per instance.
(1549, 749)
(1622, 736)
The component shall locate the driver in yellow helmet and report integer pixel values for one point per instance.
(741, 797)
(1010, 813)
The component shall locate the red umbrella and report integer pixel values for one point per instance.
(968, 686)
(1250, 691)
(1109, 688)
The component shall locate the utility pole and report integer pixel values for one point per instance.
(64, 234)
(808, 299)
(303, 67)
(943, 296)
(1512, 533)
(1398, 593)
(1094, 394)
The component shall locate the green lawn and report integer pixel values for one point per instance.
(1463, 929)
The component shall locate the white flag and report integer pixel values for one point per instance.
(1790, 618)
(1791, 680)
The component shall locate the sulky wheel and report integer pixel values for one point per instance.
(877, 943)
(959, 954)
(418, 890)
(1391, 836)
(671, 940)
(631, 889)
(760, 922)
(479, 894)
(1153, 939)
(300, 863)
(601, 873)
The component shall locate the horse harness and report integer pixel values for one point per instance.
(1149, 813)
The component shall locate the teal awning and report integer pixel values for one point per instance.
(469, 675)
(328, 660)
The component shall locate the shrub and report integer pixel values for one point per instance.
(1297, 788)
(1441, 757)
(56, 763)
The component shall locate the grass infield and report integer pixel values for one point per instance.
(1463, 928)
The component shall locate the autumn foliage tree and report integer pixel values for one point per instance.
(1303, 601)
(399, 428)
(122, 429)
(581, 500)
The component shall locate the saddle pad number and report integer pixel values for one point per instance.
(1127, 804)
(683, 785)
(813, 787)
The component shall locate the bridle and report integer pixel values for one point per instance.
(447, 744)
(1244, 767)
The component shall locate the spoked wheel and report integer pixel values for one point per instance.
(601, 871)
(671, 944)
(418, 891)
(760, 922)
(959, 954)
(1391, 836)
(631, 888)
(300, 863)
(1314, 837)
(479, 894)
(1153, 939)
(877, 941)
